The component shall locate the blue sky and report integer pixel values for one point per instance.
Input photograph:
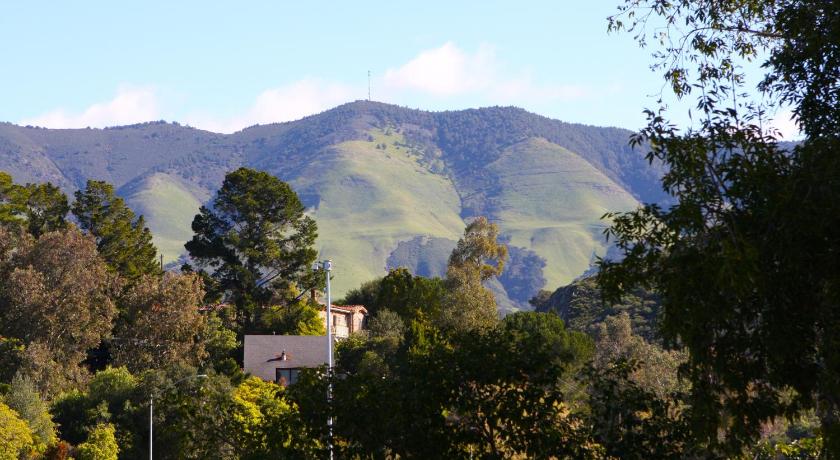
(226, 65)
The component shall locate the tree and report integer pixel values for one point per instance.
(744, 260)
(477, 257)
(24, 399)
(253, 420)
(219, 342)
(15, 435)
(255, 240)
(45, 208)
(632, 422)
(656, 369)
(387, 325)
(56, 301)
(161, 324)
(39, 208)
(100, 445)
(295, 318)
(113, 396)
(122, 239)
(411, 297)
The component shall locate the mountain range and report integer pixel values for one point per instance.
(388, 186)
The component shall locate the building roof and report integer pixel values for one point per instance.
(263, 353)
(346, 308)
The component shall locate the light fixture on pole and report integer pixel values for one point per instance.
(152, 408)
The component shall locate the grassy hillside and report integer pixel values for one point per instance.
(372, 194)
(168, 207)
(378, 178)
(550, 200)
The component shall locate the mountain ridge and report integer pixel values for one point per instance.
(374, 175)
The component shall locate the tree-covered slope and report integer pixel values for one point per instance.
(378, 178)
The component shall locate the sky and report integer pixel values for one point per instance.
(223, 66)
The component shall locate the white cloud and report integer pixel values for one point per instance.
(445, 71)
(446, 76)
(449, 71)
(285, 103)
(130, 105)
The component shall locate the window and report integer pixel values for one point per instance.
(286, 376)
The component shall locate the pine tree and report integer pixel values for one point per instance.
(122, 239)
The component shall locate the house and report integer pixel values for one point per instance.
(279, 358)
(346, 319)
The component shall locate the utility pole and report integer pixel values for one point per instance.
(368, 85)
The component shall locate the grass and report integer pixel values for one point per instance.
(551, 201)
(168, 207)
(370, 200)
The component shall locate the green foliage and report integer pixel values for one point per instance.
(112, 396)
(583, 307)
(15, 435)
(122, 240)
(800, 449)
(656, 369)
(100, 445)
(219, 341)
(386, 325)
(411, 297)
(632, 422)
(113, 385)
(479, 250)
(11, 353)
(744, 260)
(55, 301)
(495, 393)
(73, 413)
(38, 208)
(297, 318)
(362, 295)
(256, 240)
(24, 399)
(477, 257)
(253, 420)
(161, 324)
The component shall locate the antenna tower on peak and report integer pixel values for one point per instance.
(368, 85)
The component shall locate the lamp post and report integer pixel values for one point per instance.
(326, 266)
(152, 408)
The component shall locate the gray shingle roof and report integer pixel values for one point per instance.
(262, 353)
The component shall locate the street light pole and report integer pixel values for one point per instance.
(327, 269)
(152, 408)
(326, 266)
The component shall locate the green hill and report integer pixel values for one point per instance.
(388, 186)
